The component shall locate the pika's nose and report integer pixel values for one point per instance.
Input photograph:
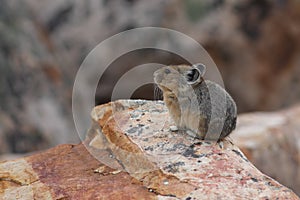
(157, 76)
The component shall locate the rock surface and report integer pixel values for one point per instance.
(130, 153)
(65, 172)
(271, 141)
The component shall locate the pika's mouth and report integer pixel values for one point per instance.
(163, 88)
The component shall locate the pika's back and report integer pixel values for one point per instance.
(219, 108)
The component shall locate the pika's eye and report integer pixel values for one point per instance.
(192, 76)
(167, 71)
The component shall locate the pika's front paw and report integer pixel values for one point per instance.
(173, 128)
(191, 133)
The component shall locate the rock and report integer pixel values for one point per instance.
(271, 141)
(130, 153)
(65, 172)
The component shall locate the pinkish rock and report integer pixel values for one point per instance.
(271, 141)
(130, 153)
(136, 138)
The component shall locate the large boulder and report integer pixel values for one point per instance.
(130, 153)
(271, 141)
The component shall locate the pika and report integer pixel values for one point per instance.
(201, 107)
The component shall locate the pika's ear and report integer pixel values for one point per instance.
(201, 68)
(193, 76)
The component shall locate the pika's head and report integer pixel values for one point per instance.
(176, 77)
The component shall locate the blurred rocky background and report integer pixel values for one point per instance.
(255, 44)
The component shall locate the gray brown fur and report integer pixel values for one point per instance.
(196, 106)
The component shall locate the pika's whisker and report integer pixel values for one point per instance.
(157, 93)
